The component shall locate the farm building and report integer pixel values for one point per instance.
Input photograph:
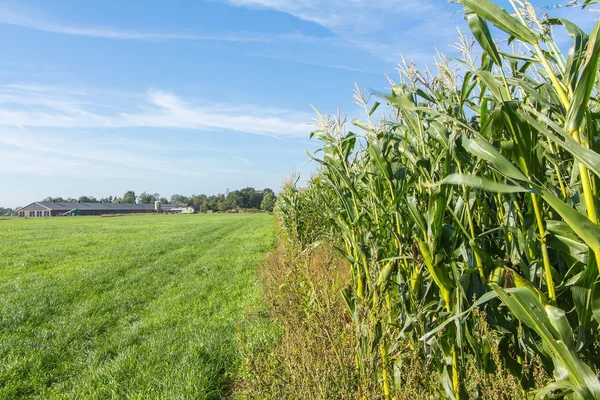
(53, 209)
(179, 210)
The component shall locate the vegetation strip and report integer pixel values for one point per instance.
(468, 213)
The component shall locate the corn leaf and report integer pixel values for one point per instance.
(501, 19)
(555, 335)
(483, 36)
(586, 156)
(481, 183)
(483, 149)
(581, 225)
(586, 83)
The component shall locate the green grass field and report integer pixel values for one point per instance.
(128, 307)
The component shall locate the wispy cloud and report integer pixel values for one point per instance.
(26, 106)
(384, 28)
(260, 44)
(242, 159)
(11, 16)
(77, 155)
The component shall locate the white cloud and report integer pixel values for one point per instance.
(79, 155)
(386, 28)
(46, 107)
(12, 16)
(242, 159)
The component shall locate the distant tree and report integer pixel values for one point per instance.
(223, 205)
(268, 202)
(55, 199)
(200, 201)
(212, 202)
(7, 212)
(233, 199)
(87, 199)
(129, 197)
(71, 200)
(117, 200)
(251, 198)
(108, 199)
(179, 199)
(164, 200)
(145, 198)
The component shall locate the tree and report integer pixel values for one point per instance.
(179, 199)
(268, 202)
(129, 197)
(7, 212)
(145, 198)
(87, 199)
(212, 203)
(200, 201)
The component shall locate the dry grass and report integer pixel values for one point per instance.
(314, 354)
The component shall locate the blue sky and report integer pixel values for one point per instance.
(184, 96)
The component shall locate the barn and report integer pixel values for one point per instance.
(63, 208)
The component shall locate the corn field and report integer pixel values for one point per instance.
(472, 199)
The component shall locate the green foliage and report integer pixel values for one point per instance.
(9, 212)
(300, 218)
(147, 198)
(129, 197)
(144, 307)
(268, 202)
(87, 199)
(479, 189)
(247, 198)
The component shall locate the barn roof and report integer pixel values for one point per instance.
(66, 206)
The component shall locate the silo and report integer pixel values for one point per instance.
(157, 206)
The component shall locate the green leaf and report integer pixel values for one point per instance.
(481, 183)
(362, 125)
(438, 273)
(582, 154)
(581, 225)
(416, 215)
(555, 335)
(501, 19)
(596, 302)
(482, 33)
(457, 317)
(496, 87)
(559, 322)
(576, 52)
(374, 108)
(483, 149)
(585, 86)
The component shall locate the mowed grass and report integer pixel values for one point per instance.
(145, 307)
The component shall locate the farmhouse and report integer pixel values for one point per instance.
(179, 210)
(54, 209)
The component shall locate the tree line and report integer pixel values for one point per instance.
(7, 212)
(247, 198)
